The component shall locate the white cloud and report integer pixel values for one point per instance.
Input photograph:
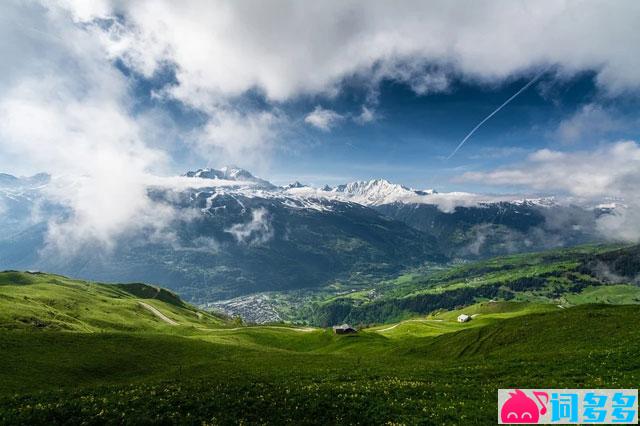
(221, 51)
(239, 138)
(591, 120)
(94, 148)
(323, 119)
(367, 115)
(612, 172)
(66, 110)
(290, 48)
(257, 231)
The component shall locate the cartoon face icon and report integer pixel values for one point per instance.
(519, 408)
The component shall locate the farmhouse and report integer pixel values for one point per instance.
(464, 318)
(343, 329)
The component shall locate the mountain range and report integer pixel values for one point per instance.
(239, 234)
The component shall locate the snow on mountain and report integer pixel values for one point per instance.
(371, 193)
(232, 174)
(9, 181)
(21, 189)
(368, 193)
(295, 184)
(379, 192)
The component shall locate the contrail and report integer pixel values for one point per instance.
(525, 87)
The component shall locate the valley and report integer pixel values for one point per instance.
(83, 352)
(566, 277)
(226, 233)
(256, 275)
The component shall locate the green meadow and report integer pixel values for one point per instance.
(76, 352)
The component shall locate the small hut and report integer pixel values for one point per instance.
(464, 318)
(343, 329)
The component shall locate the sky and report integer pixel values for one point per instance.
(322, 92)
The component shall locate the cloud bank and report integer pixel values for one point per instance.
(612, 170)
(224, 51)
(287, 48)
(68, 108)
(67, 112)
(609, 172)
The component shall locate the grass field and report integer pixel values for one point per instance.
(53, 302)
(126, 365)
(585, 274)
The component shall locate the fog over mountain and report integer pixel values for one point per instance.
(350, 112)
(227, 233)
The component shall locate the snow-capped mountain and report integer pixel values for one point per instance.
(373, 192)
(12, 182)
(242, 176)
(367, 193)
(18, 196)
(370, 193)
(233, 233)
(467, 224)
(295, 184)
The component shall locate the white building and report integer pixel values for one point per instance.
(464, 318)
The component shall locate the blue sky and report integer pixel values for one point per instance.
(110, 96)
(411, 134)
(324, 93)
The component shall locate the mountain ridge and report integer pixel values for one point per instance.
(234, 234)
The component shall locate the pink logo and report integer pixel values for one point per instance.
(519, 408)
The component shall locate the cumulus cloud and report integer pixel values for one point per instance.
(67, 112)
(225, 50)
(323, 119)
(255, 232)
(591, 120)
(611, 171)
(239, 138)
(290, 48)
(66, 108)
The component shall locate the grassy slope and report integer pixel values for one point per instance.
(563, 276)
(288, 376)
(617, 294)
(441, 322)
(436, 371)
(53, 302)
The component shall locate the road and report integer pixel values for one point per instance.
(157, 313)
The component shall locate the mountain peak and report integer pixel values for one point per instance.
(7, 180)
(295, 184)
(373, 192)
(231, 173)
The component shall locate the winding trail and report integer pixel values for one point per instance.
(298, 329)
(403, 322)
(157, 313)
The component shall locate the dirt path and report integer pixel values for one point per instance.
(298, 329)
(403, 322)
(157, 313)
